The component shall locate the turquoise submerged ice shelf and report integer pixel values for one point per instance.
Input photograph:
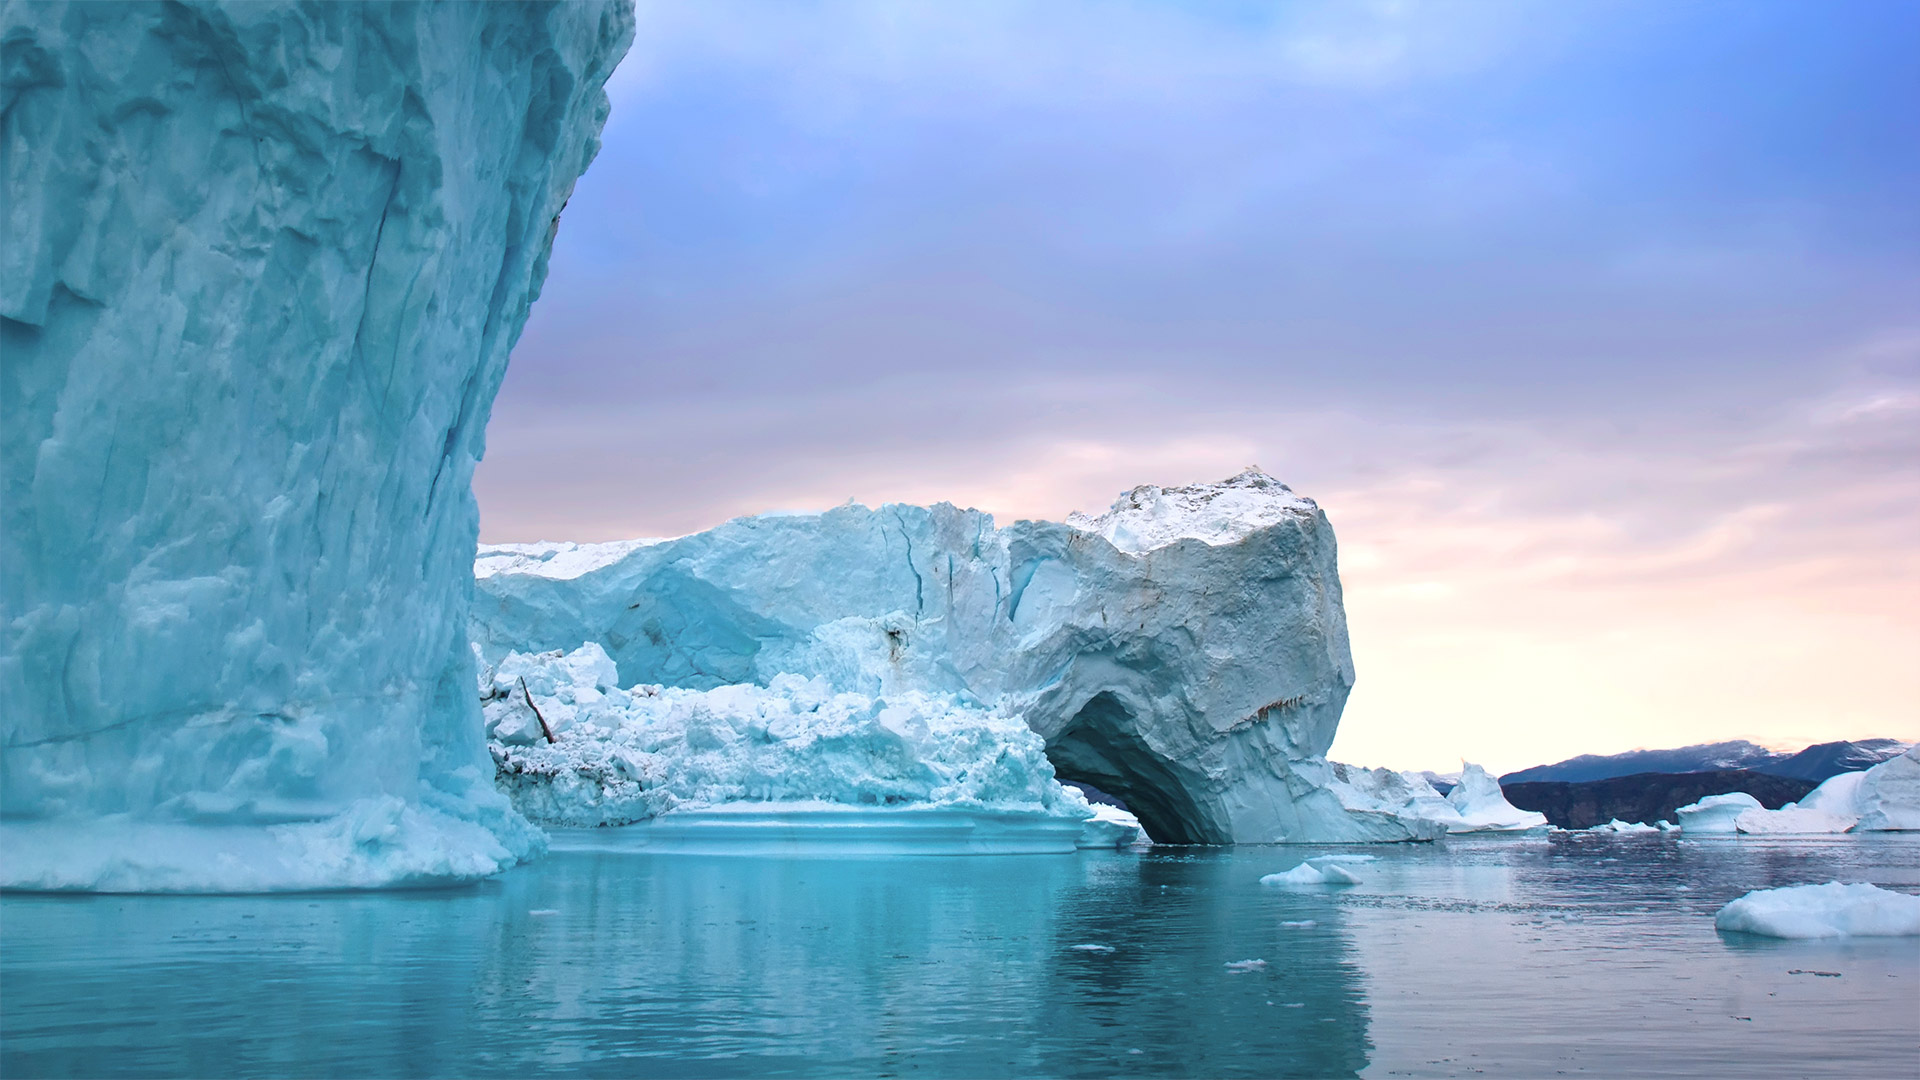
(264, 264)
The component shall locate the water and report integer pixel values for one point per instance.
(1579, 955)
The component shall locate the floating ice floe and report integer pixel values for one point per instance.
(1308, 874)
(1823, 911)
(1618, 826)
(1240, 967)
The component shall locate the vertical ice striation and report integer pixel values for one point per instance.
(264, 263)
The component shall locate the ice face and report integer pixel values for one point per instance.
(264, 264)
(1884, 798)
(1199, 681)
(1716, 814)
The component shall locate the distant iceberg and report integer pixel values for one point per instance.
(1473, 805)
(1823, 911)
(1884, 798)
(1716, 815)
(1185, 651)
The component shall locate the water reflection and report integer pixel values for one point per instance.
(1505, 957)
(701, 967)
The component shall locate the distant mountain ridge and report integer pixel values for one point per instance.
(1815, 763)
(1645, 797)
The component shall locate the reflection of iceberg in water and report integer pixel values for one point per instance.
(702, 966)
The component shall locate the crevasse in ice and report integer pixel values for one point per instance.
(263, 266)
(1186, 651)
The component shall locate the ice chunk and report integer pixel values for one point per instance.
(1307, 874)
(1111, 827)
(1242, 967)
(1198, 682)
(1618, 826)
(1716, 814)
(263, 266)
(1823, 911)
(622, 756)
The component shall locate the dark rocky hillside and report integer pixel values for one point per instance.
(1646, 797)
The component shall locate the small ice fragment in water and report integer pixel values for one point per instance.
(1246, 965)
(1298, 922)
(1094, 948)
(1294, 1005)
(1308, 874)
(1136, 1051)
(1810, 971)
(544, 911)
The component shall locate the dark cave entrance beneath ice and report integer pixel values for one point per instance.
(1101, 747)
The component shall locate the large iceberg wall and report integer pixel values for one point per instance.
(1186, 651)
(264, 265)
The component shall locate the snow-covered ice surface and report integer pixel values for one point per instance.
(263, 266)
(1151, 517)
(1207, 709)
(1474, 804)
(1832, 910)
(1716, 814)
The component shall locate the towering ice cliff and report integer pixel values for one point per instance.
(264, 262)
(1186, 651)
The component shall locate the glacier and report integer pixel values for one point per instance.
(264, 265)
(1185, 651)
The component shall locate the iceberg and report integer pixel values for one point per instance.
(1833, 910)
(1884, 798)
(1474, 804)
(1186, 650)
(1716, 815)
(264, 264)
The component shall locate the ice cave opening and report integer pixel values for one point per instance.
(1102, 747)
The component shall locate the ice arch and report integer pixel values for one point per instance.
(1103, 745)
(264, 263)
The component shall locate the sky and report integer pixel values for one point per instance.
(1593, 327)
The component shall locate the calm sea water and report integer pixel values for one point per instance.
(1577, 955)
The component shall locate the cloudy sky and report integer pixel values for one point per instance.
(1594, 327)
